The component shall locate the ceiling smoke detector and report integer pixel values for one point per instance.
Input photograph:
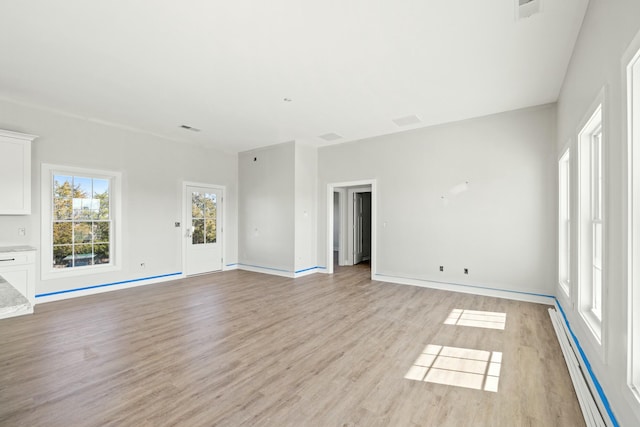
(527, 8)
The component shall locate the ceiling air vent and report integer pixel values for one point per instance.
(330, 137)
(407, 121)
(526, 8)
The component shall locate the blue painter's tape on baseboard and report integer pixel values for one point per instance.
(307, 269)
(107, 284)
(596, 383)
(231, 265)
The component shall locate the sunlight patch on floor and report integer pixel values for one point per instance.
(477, 319)
(460, 367)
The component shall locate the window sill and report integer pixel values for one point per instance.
(78, 271)
(594, 324)
(594, 334)
(565, 288)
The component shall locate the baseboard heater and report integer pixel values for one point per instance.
(590, 411)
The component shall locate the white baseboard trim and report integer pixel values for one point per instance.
(266, 270)
(279, 272)
(527, 296)
(107, 287)
(230, 267)
(586, 398)
(593, 385)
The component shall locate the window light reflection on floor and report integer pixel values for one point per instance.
(477, 319)
(460, 367)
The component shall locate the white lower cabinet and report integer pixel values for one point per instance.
(17, 280)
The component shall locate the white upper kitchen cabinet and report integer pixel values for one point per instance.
(15, 173)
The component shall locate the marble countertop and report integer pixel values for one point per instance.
(11, 300)
(5, 249)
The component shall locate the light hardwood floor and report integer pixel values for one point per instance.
(245, 349)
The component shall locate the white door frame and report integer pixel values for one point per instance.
(183, 229)
(349, 259)
(342, 219)
(336, 186)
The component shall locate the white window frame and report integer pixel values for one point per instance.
(631, 65)
(564, 222)
(115, 238)
(596, 172)
(591, 215)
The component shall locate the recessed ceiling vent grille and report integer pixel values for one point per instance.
(527, 8)
(330, 137)
(407, 121)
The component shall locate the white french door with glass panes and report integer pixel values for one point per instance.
(202, 229)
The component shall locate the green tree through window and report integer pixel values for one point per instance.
(203, 214)
(82, 225)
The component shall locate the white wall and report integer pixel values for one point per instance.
(336, 221)
(306, 183)
(278, 208)
(607, 30)
(266, 233)
(502, 228)
(153, 170)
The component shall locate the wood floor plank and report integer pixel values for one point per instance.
(240, 348)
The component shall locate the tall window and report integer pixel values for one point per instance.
(564, 223)
(633, 127)
(591, 149)
(79, 220)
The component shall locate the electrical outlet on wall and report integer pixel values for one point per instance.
(22, 231)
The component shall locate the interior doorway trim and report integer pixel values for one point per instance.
(331, 187)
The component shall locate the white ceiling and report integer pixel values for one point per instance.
(349, 66)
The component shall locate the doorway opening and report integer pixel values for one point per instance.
(351, 231)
